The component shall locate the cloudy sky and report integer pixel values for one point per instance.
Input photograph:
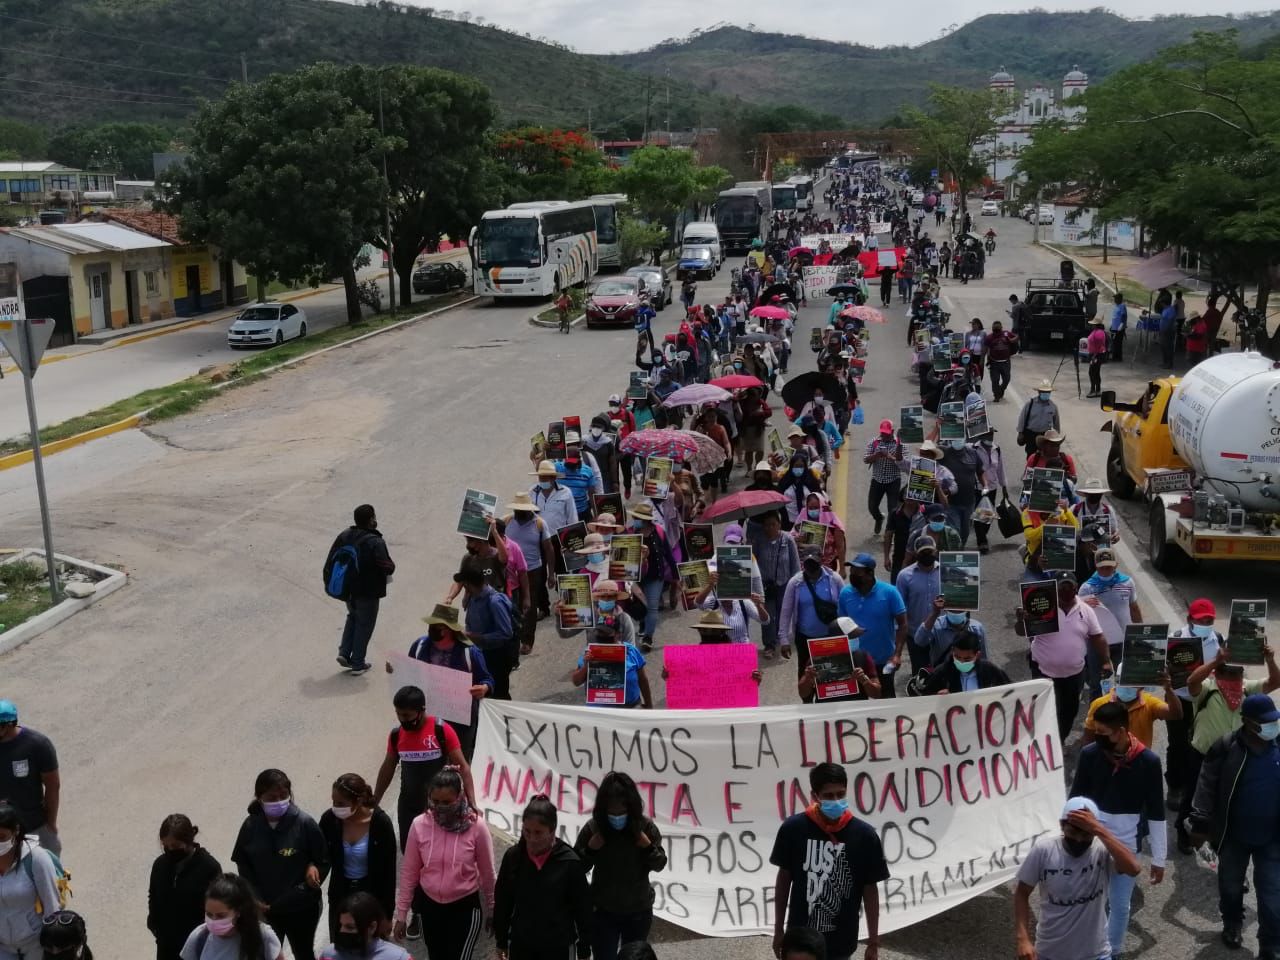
(608, 26)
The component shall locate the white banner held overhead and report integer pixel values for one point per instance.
(818, 280)
(958, 787)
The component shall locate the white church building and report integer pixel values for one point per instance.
(1035, 106)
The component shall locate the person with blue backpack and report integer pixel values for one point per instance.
(357, 571)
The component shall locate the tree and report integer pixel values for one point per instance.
(544, 164)
(22, 141)
(439, 171)
(660, 182)
(957, 122)
(636, 238)
(284, 176)
(122, 148)
(1189, 146)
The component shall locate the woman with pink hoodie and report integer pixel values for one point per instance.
(446, 870)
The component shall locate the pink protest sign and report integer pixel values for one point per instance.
(711, 676)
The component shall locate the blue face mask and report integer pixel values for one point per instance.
(545, 484)
(637, 525)
(956, 619)
(854, 644)
(1106, 581)
(797, 471)
(1127, 694)
(1202, 630)
(937, 525)
(618, 822)
(1043, 395)
(595, 557)
(964, 666)
(814, 514)
(606, 606)
(1108, 684)
(1270, 730)
(833, 809)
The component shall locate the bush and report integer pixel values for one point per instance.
(637, 239)
(20, 573)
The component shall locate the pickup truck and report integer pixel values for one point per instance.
(1056, 316)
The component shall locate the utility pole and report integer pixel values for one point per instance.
(386, 207)
(244, 69)
(648, 100)
(668, 86)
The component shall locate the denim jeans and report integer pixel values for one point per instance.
(772, 604)
(961, 515)
(652, 595)
(610, 930)
(1233, 862)
(362, 615)
(1118, 897)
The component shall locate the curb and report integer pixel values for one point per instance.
(555, 324)
(57, 446)
(68, 607)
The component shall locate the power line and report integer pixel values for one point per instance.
(69, 96)
(82, 86)
(63, 28)
(113, 66)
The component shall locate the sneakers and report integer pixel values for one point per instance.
(646, 644)
(344, 662)
(1231, 936)
(414, 930)
(361, 668)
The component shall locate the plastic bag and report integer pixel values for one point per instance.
(985, 511)
(859, 418)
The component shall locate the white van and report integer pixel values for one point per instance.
(703, 233)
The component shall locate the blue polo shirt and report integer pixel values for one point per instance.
(578, 482)
(875, 613)
(634, 663)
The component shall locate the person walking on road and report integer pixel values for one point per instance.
(1096, 344)
(447, 876)
(443, 646)
(1180, 778)
(877, 607)
(281, 852)
(542, 905)
(360, 555)
(621, 847)
(779, 560)
(28, 887)
(179, 878)
(532, 535)
(1121, 774)
(29, 778)
(1039, 415)
(361, 921)
(362, 848)
(490, 625)
(808, 606)
(886, 287)
(1235, 808)
(1119, 326)
(1074, 870)
(1019, 318)
(233, 927)
(884, 455)
(1168, 330)
(1000, 346)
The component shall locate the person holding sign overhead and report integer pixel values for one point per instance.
(1144, 709)
(1198, 630)
(443, 647)
(829, 866)
(865, 675)
(635, 690)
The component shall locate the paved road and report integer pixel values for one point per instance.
(217, 660)
(95, 377)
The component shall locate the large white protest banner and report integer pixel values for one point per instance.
(958, 787)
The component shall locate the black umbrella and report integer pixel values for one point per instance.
(843, 290)
(784, 290)
(800, 390)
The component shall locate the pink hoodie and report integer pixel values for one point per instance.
(448, 866)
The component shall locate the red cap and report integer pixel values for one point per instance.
(886, 426)
(1201, 608)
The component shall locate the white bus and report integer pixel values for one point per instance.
(534, 249)
(804, 190)
(606, 206)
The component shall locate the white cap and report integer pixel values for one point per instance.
(1078, 803)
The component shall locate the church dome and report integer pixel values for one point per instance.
(1001, 76)
(1076, 75)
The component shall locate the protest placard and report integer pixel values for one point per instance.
(606, 674)
(810, 533)
(922, 480)
(775, 442)
(657, 478)
(555, 440)
(572, 425)
(644, 417)
(956, 787)
(1247, 631)
(576, 610)
(976, 423)
(818, 280)
(1182, 656)
(699, 541)
(610, 503)
(733, 569)
(1059, 545)
(626, 553)
(1045, 489)
(961, 575)
(832, 667)
(1040, 606)
(1142, 661)
(951, 421)
(478, 508)
(911, 424)
(571, 540)
(710, 676)
(940, 355)
(448, 690)
(695, 576)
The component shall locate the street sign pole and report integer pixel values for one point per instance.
(25, 340)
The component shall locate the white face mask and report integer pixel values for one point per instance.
(5, 847)
(596, 433)
(342, 812)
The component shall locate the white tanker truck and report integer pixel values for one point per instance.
(1204, 451)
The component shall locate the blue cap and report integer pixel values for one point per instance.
(864, 561)
(1258, 707)
(8, 712)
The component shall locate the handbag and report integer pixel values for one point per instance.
(824, 610)
(1008, 519)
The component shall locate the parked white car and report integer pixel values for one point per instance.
(991, 208)
(267, 324)
(1046, 215)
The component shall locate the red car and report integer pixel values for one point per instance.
(614, 301)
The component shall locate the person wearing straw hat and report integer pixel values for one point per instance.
(713, 628)
(635, 688)
(1049, 455)
(1093, 511)
(597, 553)
(444, 645)
(1038, 416)
(556, 502)
(532, 536)
(607, 598)
(736, 614)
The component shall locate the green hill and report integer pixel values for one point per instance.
(867, 84)
(89, 61)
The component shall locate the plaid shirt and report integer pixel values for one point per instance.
(884, 471)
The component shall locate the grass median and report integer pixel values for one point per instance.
(24, 592)
(164, 403)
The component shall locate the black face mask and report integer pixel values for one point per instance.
(352, 941)
(1076, 848)
(173, 856)
(415, 724)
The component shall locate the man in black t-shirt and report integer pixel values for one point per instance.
(29, 779)
(829, 865)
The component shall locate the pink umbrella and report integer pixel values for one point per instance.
(770, 313)
(737, 381)
(659, 443)
(866, 314)
(696, 394)
(740, 506)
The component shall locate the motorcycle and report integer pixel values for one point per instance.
(990, 245)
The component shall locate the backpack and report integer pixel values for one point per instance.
(61, 881)
(343, 571)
